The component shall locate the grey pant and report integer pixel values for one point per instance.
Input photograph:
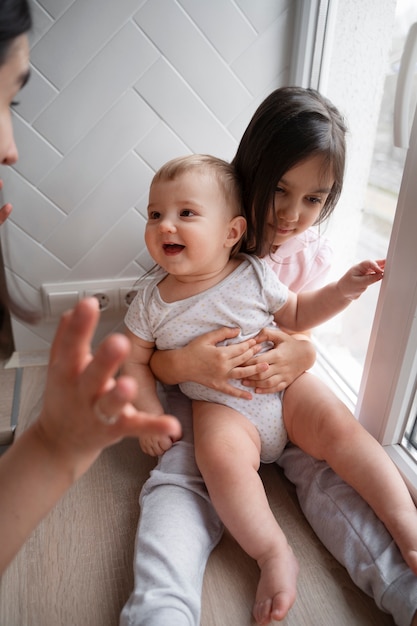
(178, 529)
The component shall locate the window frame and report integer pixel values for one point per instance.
(388, 385)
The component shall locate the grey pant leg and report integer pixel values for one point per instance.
(350, 530)
(178, 529)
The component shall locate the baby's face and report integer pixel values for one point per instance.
(188, 224)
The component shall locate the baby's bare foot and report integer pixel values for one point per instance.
(277, 587)
(155, 445)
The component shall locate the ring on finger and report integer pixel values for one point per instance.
(105, 419)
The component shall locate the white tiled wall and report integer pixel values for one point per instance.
(117, 88)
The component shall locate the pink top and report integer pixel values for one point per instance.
(302, 263)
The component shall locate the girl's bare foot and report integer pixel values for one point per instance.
(277, 586)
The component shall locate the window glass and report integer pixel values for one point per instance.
(343, 341)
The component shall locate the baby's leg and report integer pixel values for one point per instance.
(321, 425)
(227, 450)
(177, 531)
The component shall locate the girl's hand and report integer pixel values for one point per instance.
(85, 407)
(360, 277)
(290, 357)
(214, 365)
(204, 362)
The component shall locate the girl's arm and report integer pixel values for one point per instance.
(201, 361)
(312, 308)
(293, 354)
(72, 429)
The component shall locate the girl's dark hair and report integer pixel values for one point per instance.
(15, 20)
(291, 125)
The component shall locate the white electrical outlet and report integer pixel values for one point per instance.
(107, 297)
(127, 295)
(111, 295)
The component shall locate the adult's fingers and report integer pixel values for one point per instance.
(5, 212)
(109, 405)
(98, 375)
(72, 342)
(114, 408)
(135, 423)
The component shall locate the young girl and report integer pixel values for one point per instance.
(168, 573)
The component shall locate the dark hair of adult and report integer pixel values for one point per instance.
(15, 20)
(291, 125)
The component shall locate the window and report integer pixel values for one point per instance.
(343, 342)
(370, 350)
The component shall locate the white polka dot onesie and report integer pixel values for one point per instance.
(247, 299)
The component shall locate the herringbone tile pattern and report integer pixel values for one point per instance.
(117, 88)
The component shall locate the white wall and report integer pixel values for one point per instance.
(117, 88)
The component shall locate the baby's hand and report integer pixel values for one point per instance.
(155, 445)
(359, 277)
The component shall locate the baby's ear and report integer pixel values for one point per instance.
(237, 228)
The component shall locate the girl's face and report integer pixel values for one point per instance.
(14, 73)
(299, 198)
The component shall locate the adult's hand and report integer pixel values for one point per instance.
(85, 407)
(6, 209)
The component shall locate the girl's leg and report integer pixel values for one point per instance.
(321, 425)
(350, 530)
(227, 450)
